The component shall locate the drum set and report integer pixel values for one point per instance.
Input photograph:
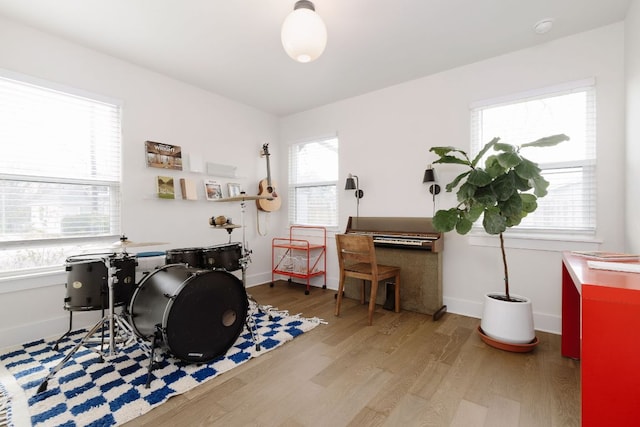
(191, 306)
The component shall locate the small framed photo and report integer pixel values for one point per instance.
(212, 190)
(234, 189)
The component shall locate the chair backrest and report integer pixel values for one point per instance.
(356, 249)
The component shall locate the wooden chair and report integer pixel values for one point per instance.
(357, 259)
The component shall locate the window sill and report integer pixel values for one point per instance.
(553, 243)
(32, 281)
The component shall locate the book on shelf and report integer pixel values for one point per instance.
(607, 256)
(165, 187)
(188, 188)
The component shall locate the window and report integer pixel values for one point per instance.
(570, 205)
(313, 180)
(59, 174)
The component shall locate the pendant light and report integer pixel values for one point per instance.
(304, 35)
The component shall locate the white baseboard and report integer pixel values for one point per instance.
(543, 322)
(50, 328)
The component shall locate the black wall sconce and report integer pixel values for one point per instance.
(353, 183)
(430, 176)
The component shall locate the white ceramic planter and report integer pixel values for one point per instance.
(508, 322)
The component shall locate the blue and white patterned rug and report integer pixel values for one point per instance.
(86, 392)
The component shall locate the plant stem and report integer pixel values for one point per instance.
(506, 270)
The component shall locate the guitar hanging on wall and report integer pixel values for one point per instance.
(267, 188)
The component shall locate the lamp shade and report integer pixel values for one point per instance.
(350, 184)
(304, 35)
(429, 175)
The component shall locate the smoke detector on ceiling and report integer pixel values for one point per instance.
(543, 26)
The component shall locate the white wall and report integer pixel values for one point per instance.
(385, 137)
(632, 62)
(154, 108)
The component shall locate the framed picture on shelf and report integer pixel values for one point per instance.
(234, 189)
(164, 156)
(212, 189)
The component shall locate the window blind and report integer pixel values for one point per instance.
(313, 176)
(60, 170)
(570, 205)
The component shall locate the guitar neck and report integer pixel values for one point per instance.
(269, 175)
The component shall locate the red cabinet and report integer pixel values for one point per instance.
(601, 327)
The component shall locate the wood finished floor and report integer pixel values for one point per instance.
(405, 370)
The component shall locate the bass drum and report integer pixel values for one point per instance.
(201, 313)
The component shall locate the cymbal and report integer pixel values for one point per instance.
(129, 244)
(242, 198)
(226, 226)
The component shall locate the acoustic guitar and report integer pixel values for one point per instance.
(267, 188)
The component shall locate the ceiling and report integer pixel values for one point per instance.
(232, 47)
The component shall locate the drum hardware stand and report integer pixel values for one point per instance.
(155, 343)
(244, 263)
(115, 321)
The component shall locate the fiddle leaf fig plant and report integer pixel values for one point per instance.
(503, 191)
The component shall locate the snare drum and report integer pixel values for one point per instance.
(226, 257)
(87, 281)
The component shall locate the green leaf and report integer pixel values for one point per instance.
(508, 148)
(445, 220)
(529, 202)
(479, 178)
(485, 196)
(453, 184)
(443, 151)
(463, 226)
(484, 150)
(548, 141)
(512, 207)
(504, 187)
(452, 159)
(493, 167)
(466, 192)
(509, 160)
(527, 169)
(520, 183)
(540, 186)
(515, 220)
(474, 212)
(493, 222)
(451, 155)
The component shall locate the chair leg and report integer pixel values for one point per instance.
(372, 299)
(397, 286)
(363, 288)
(339, 298)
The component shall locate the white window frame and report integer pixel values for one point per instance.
(294, 185)
(539, 237)
(71, 245)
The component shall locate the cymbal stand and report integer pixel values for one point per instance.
(114, 320)
(244, 263)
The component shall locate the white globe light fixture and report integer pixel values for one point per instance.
(304, 35)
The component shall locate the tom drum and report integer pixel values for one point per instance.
(189, 256)
(200, 313)
(225, 257)
(87, 281)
